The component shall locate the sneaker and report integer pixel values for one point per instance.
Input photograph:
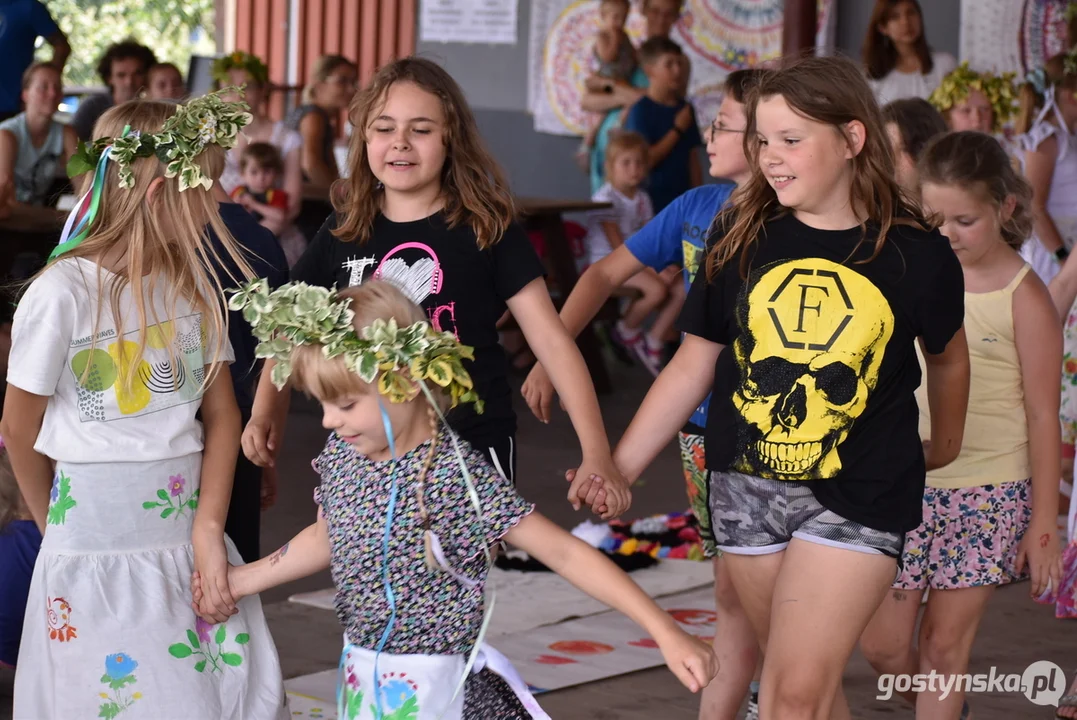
(753, 707)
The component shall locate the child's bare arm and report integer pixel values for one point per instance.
(947, 399)
(613, 234)
(23, 414)
(607, 44)
(661, 149)
(691, 660)
(303, 555)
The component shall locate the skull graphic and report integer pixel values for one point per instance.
(813, 335)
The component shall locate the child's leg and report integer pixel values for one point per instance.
(736, 648)
(823, 599)
(946, 636)
(887, 642)
(667, 315)
(654, 294)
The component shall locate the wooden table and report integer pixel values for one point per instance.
(545, 216)
(28, 229)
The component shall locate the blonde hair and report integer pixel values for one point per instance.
(622, 142)
(12, 506)
(329, 379)
(165, 241)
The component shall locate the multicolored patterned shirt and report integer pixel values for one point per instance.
(436, 614)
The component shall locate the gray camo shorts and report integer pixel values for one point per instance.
(757, 516)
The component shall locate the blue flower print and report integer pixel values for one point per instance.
(119, 666)
(55, 493)
(395, 693)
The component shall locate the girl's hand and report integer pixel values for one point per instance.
(538, 392)
(691, 660)
(1040, 549)
(234, 583)
(618, 493)
(211, 564)
(259, 441)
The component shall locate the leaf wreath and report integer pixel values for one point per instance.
(398, 358)
(998, 89)
(204, 121)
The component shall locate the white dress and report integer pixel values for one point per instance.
(1062, 200)
(629, 213)
(109, 632)
(898, 85)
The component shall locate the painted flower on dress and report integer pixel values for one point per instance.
(55, 492)
(59, 616)
(119, 666)
(119, 673)
(201, 629)
(396, 693)
(175, 485)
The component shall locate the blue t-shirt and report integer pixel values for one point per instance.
(677, 237)
(264, 255)
(20, 542)
(22, 22)
(669, 178)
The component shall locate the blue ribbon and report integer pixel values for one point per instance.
(390, 596)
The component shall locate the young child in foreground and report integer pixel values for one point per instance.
(407, 513)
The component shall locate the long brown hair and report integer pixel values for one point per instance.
(880, 54)
(832, 91)
(472, 183)
(165, 241)
(976, 163)
(1031, 100)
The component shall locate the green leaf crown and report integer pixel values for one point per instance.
(998, 89)
(399, 358)
(239, 60)
(204, 121)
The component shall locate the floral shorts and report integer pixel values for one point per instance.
(695, 476)
(968, 538)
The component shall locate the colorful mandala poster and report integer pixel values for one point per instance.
(718, 36)
(1012, 35)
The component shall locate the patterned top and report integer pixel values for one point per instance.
(436, 615)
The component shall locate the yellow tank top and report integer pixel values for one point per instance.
(995, 445)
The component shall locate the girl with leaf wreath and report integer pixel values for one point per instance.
(408, 513)
(119, 400)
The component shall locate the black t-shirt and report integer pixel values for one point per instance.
(462, 289)
(817, 378)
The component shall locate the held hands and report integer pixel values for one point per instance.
(689, 658)
(1041, 550)
(198, 592)
(600, 486)
(215, 600)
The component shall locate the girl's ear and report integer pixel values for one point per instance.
(155, 185)
(855, 137)
(1005, 210)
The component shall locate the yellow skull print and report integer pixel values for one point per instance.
(813, 335)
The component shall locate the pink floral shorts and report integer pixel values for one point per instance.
(968, 538)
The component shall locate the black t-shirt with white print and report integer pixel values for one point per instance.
(462, 289)
(816, 379)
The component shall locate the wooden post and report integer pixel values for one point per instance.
(798, 31)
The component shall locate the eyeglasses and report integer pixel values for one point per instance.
(715, 129)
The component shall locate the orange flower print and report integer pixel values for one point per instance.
(60, 627)
(1070, 366)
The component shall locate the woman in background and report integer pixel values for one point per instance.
(898, 60)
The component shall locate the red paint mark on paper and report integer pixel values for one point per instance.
(581, 647)
(644, 643)
(553, 660)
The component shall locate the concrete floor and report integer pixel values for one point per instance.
(1014, 633)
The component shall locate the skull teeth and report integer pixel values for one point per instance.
(790, 458)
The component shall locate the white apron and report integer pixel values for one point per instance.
(109, 630)
(418, 687)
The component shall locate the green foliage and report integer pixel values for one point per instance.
(173, 29)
